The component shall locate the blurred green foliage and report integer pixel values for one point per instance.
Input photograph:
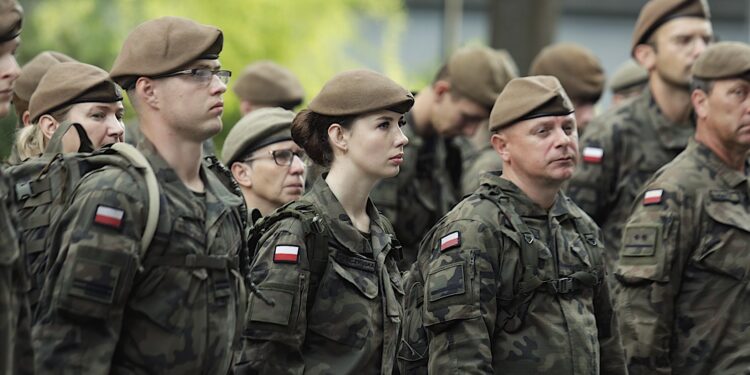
(313, 38)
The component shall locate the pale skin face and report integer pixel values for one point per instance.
(374, 144)
(539, 152)
(9, 72)
(267, 185)
(675, 47)
(192, 109)
(724, 119)
(101, 121)
(455, 115)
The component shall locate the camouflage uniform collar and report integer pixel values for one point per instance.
(341, 225)
(708, 158)
(672, 135)
(522, 204)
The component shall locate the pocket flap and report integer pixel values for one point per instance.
(364, 281)
(727, 212)
(279, 313)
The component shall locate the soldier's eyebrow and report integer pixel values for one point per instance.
(386, 117)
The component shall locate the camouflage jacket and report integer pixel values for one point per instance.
(15, 341)
(620, 151)
(420, 194)
(484, 160)
(351, 325)
(177, 311)
(475, 271)
(684, 268)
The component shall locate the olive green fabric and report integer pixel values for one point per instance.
(683, 270)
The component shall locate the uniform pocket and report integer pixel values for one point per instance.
(450, 292)
(345, 304)
(723, 249)
(643, 257)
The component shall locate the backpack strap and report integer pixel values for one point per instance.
(55, 145)
(139, 161)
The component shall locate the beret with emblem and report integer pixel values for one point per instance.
(257, 129)
(629, 74)
(576, 67)
(11, 19)
(527, 98)
(31, 73)
(360, 91)
(657, 12)
(69, 83)
(162, 46)
(478, 74)
(266, 82)
(723, 60)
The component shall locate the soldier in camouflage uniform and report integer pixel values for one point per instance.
(16, 356)
(457, 102)
(513, 275)
(622, 148)
(628, 81)
(108, 307)
(684, 262)
(342, 317)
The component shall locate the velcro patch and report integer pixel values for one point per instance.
(109, 216)
(286, 254)
(725, 196)
(450, 241)
(640, 241)
(593, 155)
(446, 282)
(95, 281)
(653, 197)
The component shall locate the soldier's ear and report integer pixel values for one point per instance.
(242, 174)
(440, 88)
(645, 55)
(246, 107)
(699, 99)
(47, 124)
(499, 142)
(339, 138)
(146, 92)
(26, 118)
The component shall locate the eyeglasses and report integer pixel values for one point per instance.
(280, 157)
(200, 75)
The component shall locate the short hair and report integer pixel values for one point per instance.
(705, 85)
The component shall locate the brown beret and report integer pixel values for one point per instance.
(527, 98)
(629, 74)
(657, 12)
(578, 70)
(266, 82)
(11, 19)
(723, 60)
(360, 91)
(257, 129)
(478, 74)
(164, 45)
(69, 83)
(33, 71)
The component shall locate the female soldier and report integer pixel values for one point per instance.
(329, 290)
(75, 92)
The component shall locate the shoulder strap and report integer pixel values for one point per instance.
(139, 161)
(55, 143)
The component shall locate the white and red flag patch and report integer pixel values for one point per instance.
(593, 155)
(652, 197)
(286, 254)
(450, 240)
(109, 216)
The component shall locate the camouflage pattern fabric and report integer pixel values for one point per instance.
(420, 194)
(177, 311)
(684, 268)
(621, 150)
(485, 160)
(351, 325)
(15, 341)
(472, 276)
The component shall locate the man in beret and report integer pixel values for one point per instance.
(622, 148)
(265, 161)
(628, 81)
(579, 72)
(684, 260)
(514, 280)
(267, 84)
(15, 345)
(174, 307)
(456, 103)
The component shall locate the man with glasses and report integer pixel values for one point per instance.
(265, 161)
(176, 307)
(457, 102)
(622, 148)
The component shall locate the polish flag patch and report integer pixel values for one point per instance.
(286, 254)
(652, 197)
(450, 241)
(593, 155)
(109, 216)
